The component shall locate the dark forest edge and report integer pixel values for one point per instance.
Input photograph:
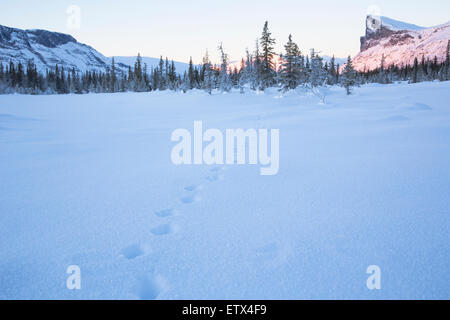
(257, 72)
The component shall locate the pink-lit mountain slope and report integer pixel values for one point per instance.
(400, 43)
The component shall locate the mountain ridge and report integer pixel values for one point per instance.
(48, 49)
(399, 43)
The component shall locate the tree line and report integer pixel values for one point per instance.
(258, 71)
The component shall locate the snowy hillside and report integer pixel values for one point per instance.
(48, 49)
(364, 180)
(400, 43)
(396, 25)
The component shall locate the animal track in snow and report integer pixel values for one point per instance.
(165, 213)
(132, 251)
(149, 287)
(162, 230)
(216, 174)
(190, 199)
(192, 188)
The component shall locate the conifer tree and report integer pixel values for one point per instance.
(113, 76)
(415, 70)
(247, 73)
(332, 71)
(267, 53)
(318, 75)
(161, 75)
(208, 82)
(224, 78)
(138, 75)
(257, 68)
(348, 77)
(291, 68)
(191, 75)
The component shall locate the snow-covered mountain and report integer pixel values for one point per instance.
(47, 49)
(400, 43)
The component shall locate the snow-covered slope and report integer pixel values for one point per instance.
(48, 49)
(396, 25)
(364, 180)
(400, 43)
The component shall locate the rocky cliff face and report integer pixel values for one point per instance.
(399, 43)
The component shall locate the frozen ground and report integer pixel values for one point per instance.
(364, 180)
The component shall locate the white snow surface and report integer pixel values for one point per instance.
(397, 25)
(364, 180)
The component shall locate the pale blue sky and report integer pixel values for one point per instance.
(179, 29)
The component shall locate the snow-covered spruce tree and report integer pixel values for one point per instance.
(224, 81)
(247, 77)
(78, 85)
(429, 71)
(348, 77)
(166, 73)
(434, 68)
(61, 83)
(138, 77)
(423, 65)
(419, 70)
(145, 79)
(236, 74)
(208, 83)
(185, 85)
(138, 68)
(161, 75)
(382, 75)
(130, 79)
(191, 80)
(123, 83)
(172, 76)
(32, 78)
(331, 78)
(318, 75)
(256, 81)
(112, 76)
(291, 67)
(415, 70)
(267, 68)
